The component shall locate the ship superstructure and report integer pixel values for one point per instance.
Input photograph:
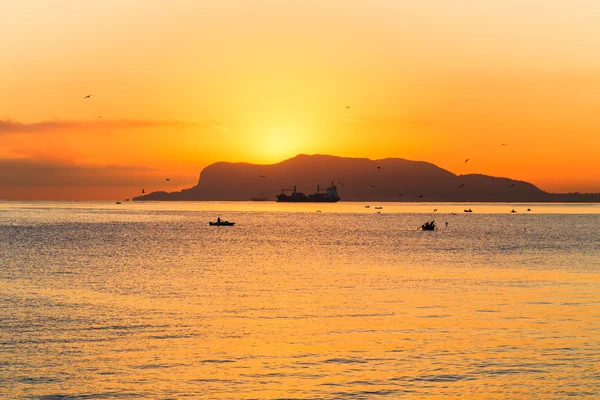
(330, 195)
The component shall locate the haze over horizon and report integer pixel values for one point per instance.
(176, 87)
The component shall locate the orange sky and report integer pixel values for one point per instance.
(178, 85)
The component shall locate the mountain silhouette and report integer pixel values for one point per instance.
(359, 179)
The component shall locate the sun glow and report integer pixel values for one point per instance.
(279, 142)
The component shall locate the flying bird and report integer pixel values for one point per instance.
(512, 185)
(262, 176)
(341, 184)
(421, 196)
(378, 167)
(347, 106)
(168, 179)
(461, 185)
(88, 96)
(503, 144)
(400, 194)
(372, 186)
(466, 160)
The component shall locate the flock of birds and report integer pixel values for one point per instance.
(462, 185)
(402, 194)
(341, 184)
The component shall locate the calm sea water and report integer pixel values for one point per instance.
(99, 300)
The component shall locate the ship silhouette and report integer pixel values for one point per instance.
(329, 196)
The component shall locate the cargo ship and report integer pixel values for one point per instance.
(328, 196)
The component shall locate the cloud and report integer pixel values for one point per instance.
(221, 127)
(8, 126)
(31, 172)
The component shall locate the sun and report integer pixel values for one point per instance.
(279, 143)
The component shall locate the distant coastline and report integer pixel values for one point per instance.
(361, 179)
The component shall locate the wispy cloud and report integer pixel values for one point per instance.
(31, 172)
(11, 126)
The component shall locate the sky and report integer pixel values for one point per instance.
(181, 84)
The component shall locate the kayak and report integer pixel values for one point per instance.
(222, 223)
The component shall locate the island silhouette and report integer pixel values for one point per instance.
(359, 179)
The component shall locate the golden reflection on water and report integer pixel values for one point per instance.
(152, 303)
(340, 207)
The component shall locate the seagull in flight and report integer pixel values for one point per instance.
(341, 184)
(421, 196)
(466, 160)
(503, 144)
(168, 179)
(88, 96)
(512, 185)
(262, 176)
(461, 185)
(378, 167)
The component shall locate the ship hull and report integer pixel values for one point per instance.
(290, 199)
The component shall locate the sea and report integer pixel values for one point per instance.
(145, 300)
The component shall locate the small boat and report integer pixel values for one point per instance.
(379, 208)
(367, 206)
(469, 210)
(126, 199)
(221, 223)
(428, 226)
(118, 202)
(513, 211)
